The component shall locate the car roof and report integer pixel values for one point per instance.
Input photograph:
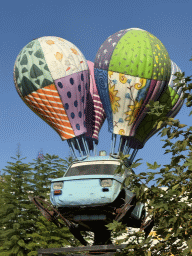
(96, 158)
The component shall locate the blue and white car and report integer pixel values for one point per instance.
(90, 194)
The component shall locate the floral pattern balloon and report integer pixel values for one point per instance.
(133, 67)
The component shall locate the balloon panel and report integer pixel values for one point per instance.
(41, 69)
(106, 49)
(62, 57)
(73, 91)
(180, 101)
(95, 115)
(31, 70)
(46, 102)
(126, 95)
(101, 78)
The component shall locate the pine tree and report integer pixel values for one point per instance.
(16, 214)
(47, 234)
(23, 229)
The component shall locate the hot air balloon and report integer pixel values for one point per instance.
(54, 79)
(131, 68)
(51, 75)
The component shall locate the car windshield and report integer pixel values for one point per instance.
(93, 169)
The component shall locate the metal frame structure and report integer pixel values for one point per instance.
(109, 249)
(124, 147)
(81, 145)
(89, 250)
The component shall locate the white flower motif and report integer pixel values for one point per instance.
(106, 62)
(99, 64)
(114, 44)
(119, 35)
(105, 51)
(70, 57)
(109, 40)
(67, 62)
(98, 56)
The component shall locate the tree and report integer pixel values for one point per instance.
(23, 229)
(171, 208)
(47, 234)
(16, 215)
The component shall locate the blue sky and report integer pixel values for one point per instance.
(86, 24)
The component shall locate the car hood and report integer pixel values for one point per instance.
(84, 177)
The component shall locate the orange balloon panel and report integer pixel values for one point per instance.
(47, 103)
(51, 76)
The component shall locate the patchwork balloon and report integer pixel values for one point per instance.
(51, 75)
(131, 68)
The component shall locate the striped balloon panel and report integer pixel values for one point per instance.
(49, 61)
(174, 69)
(73, 90)
(89, 116)
(178, 100)
(101, 79)
(177, 107)
(95, 108)
(46, 103)
(99, 115)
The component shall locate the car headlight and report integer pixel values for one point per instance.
(106, 183)
(57, 185)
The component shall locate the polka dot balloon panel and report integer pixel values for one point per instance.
(73, 93)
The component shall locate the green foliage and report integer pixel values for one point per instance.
(171, 206)
(23, 229)
(153, 166)
(17, 216)
(45, 170)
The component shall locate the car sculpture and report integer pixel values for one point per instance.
(91, 194)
